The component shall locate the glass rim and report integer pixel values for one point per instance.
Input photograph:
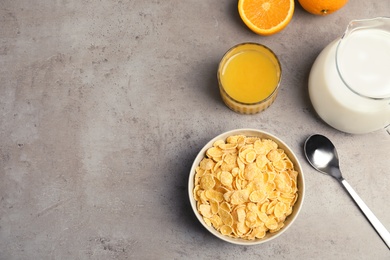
(225, 57)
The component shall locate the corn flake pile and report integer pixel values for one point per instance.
(245, 187)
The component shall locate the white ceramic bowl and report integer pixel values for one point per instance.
(296, 208)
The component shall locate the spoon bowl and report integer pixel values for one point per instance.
(322, 155)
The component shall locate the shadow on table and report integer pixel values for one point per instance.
(186, 216)
(208, 82)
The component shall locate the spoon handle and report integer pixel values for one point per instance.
(380, 229)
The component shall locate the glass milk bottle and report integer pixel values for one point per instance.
(349, 83)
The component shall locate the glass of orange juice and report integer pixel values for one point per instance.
(249, 75)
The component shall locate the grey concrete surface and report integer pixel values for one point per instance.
(105, 104)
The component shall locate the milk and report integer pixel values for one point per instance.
(364, 62)
(345, 101)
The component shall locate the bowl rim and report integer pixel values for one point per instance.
(301, 184)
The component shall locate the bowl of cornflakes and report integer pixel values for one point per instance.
(246, 186)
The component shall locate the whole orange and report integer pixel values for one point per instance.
(322, 7)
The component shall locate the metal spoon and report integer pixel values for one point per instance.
(322, 155)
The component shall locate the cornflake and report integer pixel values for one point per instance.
(245, 187)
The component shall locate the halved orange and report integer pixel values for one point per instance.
(322, 7)
(266, 17)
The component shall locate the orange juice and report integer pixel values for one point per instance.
(249, 75)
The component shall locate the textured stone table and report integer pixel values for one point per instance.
(105, 104)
